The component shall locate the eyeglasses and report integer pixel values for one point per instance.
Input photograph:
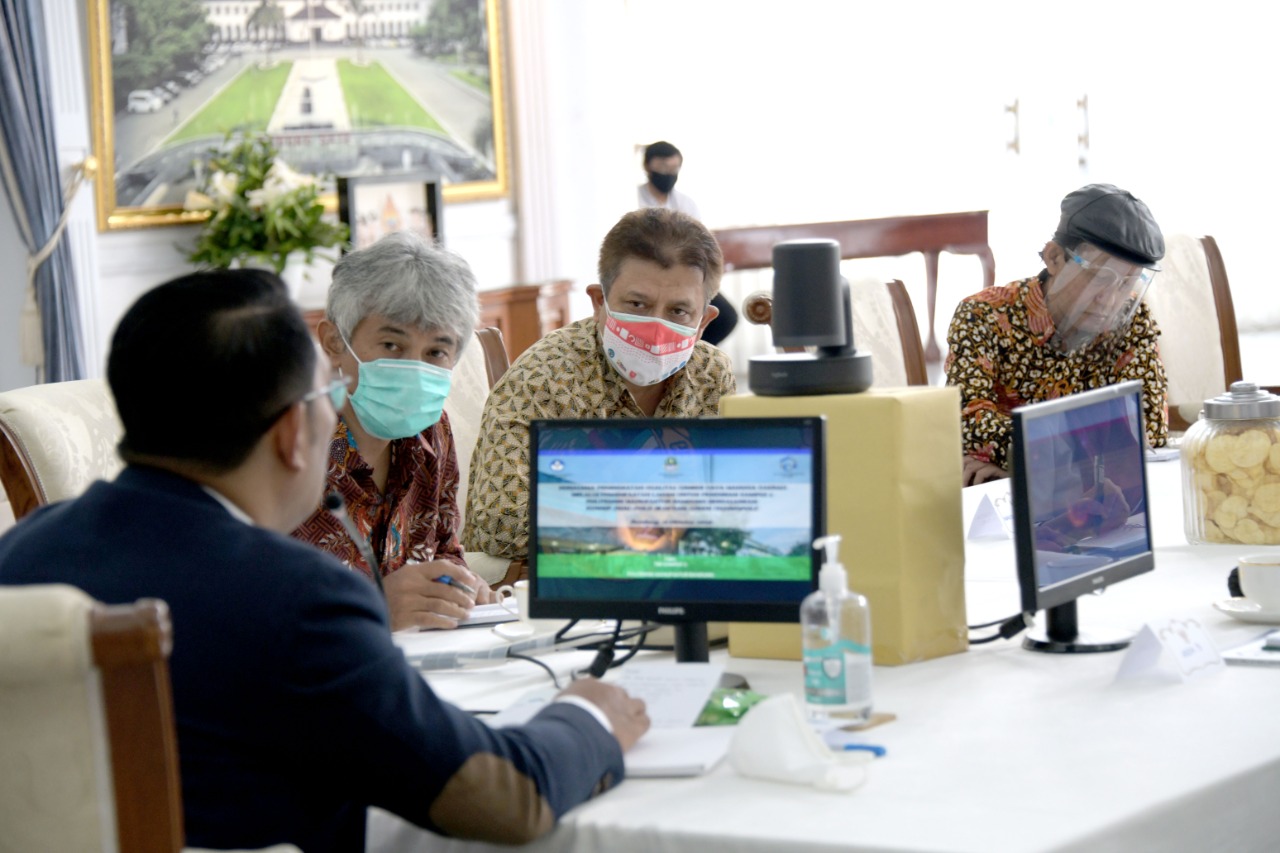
(337, 391)
(1106, 277)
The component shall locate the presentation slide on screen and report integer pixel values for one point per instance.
(727, 515)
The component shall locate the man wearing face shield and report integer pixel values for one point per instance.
(1080, 324)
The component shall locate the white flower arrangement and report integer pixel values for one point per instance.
(260, 210)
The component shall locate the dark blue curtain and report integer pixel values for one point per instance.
(33, 185)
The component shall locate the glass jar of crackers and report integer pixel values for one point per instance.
(1231, 469)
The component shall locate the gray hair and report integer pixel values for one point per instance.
(408, 280)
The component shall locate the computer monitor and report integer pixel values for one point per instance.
(1079, 507)
(679, 521)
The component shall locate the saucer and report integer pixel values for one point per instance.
(1245, 610)
(513, 630)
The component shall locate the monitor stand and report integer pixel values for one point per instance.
(1062, 635)
(692, 647)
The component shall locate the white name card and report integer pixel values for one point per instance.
(1179, 647)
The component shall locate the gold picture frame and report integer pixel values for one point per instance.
(340, 92)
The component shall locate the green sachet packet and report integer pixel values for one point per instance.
(726, 706)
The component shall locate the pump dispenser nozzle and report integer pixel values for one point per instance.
(832, 578)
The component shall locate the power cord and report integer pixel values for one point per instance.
(604, 655)
(606, 652)
(531, 659)
(1009, 628)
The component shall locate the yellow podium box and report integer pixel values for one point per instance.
(893, 494)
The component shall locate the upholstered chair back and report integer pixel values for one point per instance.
(89, 760)
(1199, 345)
(55, 440)
(482, 364)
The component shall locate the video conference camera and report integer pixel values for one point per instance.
(811, 308)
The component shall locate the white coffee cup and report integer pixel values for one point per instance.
(514, 597)
(1260, 580)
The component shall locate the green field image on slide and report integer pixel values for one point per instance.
(727, 567)
(246, 104)
(375, 99)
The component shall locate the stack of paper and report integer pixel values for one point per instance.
(674, 695)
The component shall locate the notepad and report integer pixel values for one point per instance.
(674, 695)
(488, 614)
(665, 753)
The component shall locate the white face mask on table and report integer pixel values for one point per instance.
(775, 741)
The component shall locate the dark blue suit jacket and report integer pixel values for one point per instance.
(295, 710)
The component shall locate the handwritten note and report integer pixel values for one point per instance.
(675, 693)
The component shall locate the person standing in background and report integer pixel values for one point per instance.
(662, 162)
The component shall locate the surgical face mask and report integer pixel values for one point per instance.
(662, 183)
(774, 741)
(397, 398)
(1093, 296)
(645, 350)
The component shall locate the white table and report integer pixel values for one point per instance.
(997, 749)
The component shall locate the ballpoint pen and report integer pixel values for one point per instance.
(450, 581)
(446, 579)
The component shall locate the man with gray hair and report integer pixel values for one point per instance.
(398, 316)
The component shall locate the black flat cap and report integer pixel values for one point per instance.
(1114, 221)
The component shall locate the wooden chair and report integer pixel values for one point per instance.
(86, 724)
(884, 324)
(55, 440)
(87, 735)
(496, 360)
(931, 234)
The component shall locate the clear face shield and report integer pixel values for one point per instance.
(1093, 297)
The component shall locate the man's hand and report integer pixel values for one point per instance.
(1086, 517)
(627, 715)
(417, 598)
(1100, 513)
(980, 471)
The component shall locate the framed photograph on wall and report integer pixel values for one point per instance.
(340, 87)
(375, 205)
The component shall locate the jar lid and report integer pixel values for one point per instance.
(1245, 401)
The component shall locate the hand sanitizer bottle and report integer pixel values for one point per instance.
(836, 628)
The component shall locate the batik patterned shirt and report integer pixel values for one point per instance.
(1000, 359)
(414, 520)
(564, 375)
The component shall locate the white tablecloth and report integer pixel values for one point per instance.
(996, 749)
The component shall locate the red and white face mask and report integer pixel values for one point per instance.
(646, 350)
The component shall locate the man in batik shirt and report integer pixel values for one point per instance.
(398, 315)
(1080, 324)
(640, 355)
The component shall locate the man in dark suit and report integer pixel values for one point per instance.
(295, 710)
